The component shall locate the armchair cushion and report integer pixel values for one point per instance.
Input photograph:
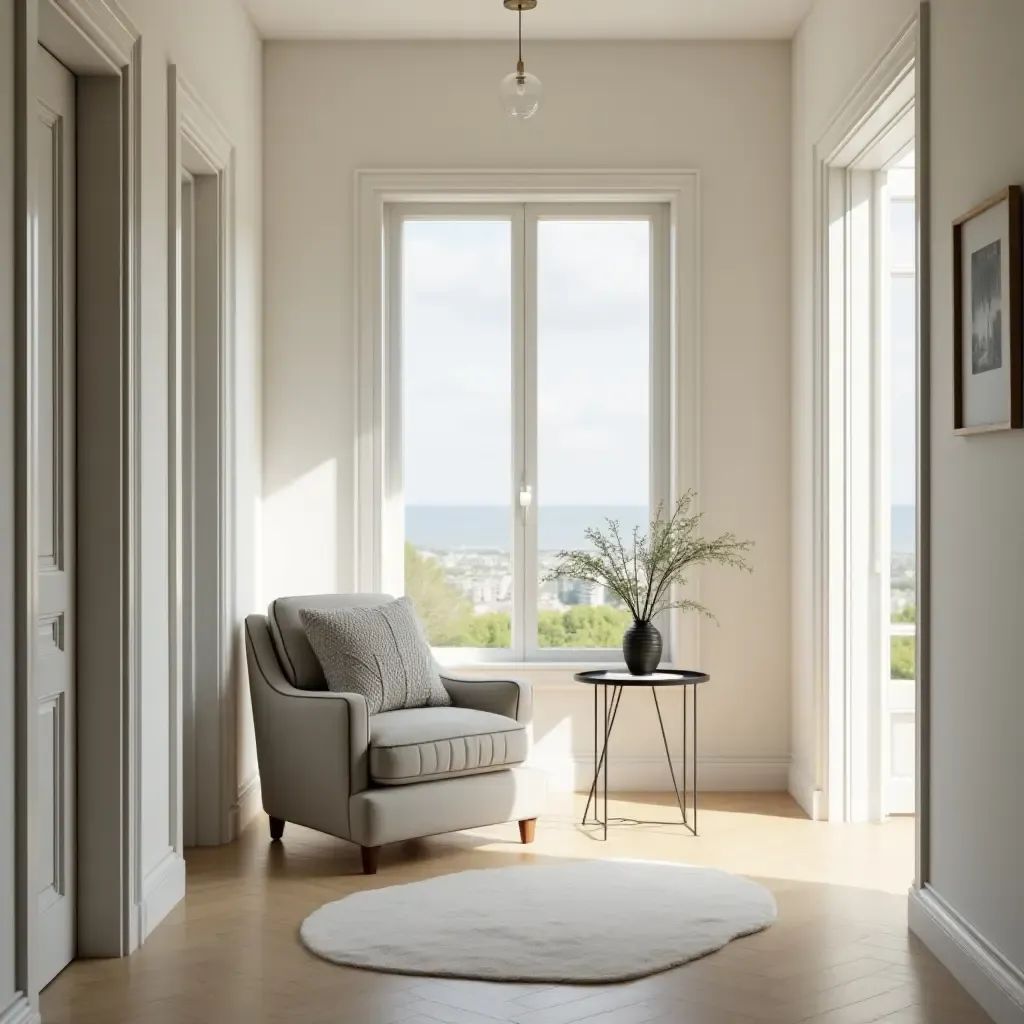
(380, 653)
(298, 662)
(421, 744)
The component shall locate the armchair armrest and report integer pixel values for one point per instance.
(312, 746)
(512, 698)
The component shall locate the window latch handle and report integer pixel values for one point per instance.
(525, 496)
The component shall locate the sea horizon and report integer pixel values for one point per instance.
(489, 527)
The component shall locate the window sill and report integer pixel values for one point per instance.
(496, 668)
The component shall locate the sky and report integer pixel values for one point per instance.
(593, 353)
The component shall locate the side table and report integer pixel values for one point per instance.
(617, 682)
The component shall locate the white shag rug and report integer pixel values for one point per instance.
(594, 921)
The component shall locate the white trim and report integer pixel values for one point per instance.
(875, 106)
(649, 774)
(987, 975)
(800, 785)
(163, 889)
(19, 1011)
(247, 805)
(376, 190)
(212, 752)
(106, 27)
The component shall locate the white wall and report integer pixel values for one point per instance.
(837, 46)
(977, 696)
(721, 108)
(219, 52)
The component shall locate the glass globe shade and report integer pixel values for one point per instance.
(521, 93)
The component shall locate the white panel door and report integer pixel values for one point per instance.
(53, 139)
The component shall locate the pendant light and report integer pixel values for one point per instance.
(521, 92)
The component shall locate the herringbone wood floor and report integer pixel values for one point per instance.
(840, 953)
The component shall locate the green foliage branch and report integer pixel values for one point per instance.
(643, 571)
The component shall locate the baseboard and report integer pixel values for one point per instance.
(162, 890)
(20, 1011)
(801, 788)
(247, 805)
(991, 979)
(650, 774)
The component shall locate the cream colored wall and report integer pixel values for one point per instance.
(218, 52)
(977, 699)
(835, 49)
(723, 109)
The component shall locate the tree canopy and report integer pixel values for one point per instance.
(449, 619)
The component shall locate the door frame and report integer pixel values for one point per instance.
(99, 44)
(876, 105)
(204, 745)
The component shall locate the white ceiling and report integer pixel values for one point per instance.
(553, 19)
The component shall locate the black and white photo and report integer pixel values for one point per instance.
(988, 315)
(987, 308)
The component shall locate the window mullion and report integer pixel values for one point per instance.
(525, 629)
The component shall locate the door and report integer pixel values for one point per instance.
(53, 142)
(898, 436)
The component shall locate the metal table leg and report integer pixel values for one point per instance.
(610, 708)
(600, 759)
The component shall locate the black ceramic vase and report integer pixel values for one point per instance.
(641, 647)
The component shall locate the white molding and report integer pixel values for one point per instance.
(649, 774)
(191, 120)
(247, 805)
(199, 123)
(800, 785)
(19, 1011)
(163, 889)
(987, 975)
(105, 25)
(880, 95)
(374, 189)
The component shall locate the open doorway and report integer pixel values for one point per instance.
(201, 198)
(868, 518)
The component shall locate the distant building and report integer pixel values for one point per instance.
(580, 592)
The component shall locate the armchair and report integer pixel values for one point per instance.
(374, 779)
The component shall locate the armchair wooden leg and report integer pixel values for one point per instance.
(276, 828)
(528, 829)
(370, 855)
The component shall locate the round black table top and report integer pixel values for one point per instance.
(663, 677)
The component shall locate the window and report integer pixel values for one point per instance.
(524, 348)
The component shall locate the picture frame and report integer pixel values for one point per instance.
(988, 316)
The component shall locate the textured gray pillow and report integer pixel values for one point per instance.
(380, 653)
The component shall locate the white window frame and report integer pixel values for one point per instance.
(384, 199)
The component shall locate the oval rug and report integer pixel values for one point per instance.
(592, 921)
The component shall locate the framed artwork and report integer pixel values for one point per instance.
(988, 316)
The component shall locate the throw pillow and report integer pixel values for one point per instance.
(380, 653)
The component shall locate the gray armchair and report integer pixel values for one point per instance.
(374, 779)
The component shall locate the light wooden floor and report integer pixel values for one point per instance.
(840, 953)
